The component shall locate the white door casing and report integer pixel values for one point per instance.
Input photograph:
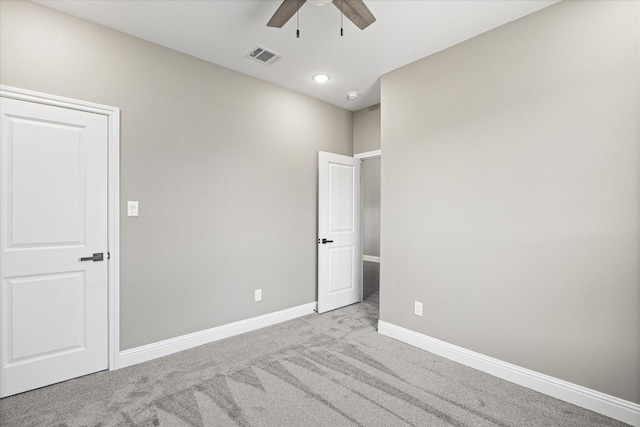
(56, 207)
(339, 232)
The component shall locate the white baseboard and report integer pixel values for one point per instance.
(164, 348)
(371, 258)
(613, 407)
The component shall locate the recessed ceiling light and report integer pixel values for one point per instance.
(321, 78)
(353, 95)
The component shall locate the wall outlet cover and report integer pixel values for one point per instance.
(417, 308)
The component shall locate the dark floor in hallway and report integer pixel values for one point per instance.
(371, 282)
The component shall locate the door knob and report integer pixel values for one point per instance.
(325, 241)
(94, 258)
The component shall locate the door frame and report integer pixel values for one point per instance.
(113, 198)
(365, 156)
(368, 155)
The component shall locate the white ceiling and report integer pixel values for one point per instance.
(223, 31)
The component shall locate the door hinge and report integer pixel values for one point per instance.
(108, 255)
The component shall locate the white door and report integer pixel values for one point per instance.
(339, 241)
(53, 194)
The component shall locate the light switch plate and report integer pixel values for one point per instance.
(132, 208)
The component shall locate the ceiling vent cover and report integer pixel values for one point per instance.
(263, 56)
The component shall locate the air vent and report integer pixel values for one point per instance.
(263, 56)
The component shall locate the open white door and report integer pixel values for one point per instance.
(339, 242)
(53, 194)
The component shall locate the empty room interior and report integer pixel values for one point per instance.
(444, 232)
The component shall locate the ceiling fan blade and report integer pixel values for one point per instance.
(356, 11)
(287, 9)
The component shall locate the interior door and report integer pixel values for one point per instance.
(339, 240)
(53, 194)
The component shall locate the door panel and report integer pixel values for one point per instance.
(45, 211)
(53, 194)
(341, 198)
(339, 266)
(61, 324)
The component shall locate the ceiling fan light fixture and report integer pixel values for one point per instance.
(321, 78)
(354, 10)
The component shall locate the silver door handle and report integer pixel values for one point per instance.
(94, 258)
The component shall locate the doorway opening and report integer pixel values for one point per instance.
(371, 163)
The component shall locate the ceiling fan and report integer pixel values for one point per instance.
(355, 10)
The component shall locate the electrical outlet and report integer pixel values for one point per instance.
(258, 295)
(417, 308)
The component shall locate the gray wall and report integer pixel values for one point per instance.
(511, 195)
(224, 167)
(371, 206)
(366, 129)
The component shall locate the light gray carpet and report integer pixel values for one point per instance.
(332, 369)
